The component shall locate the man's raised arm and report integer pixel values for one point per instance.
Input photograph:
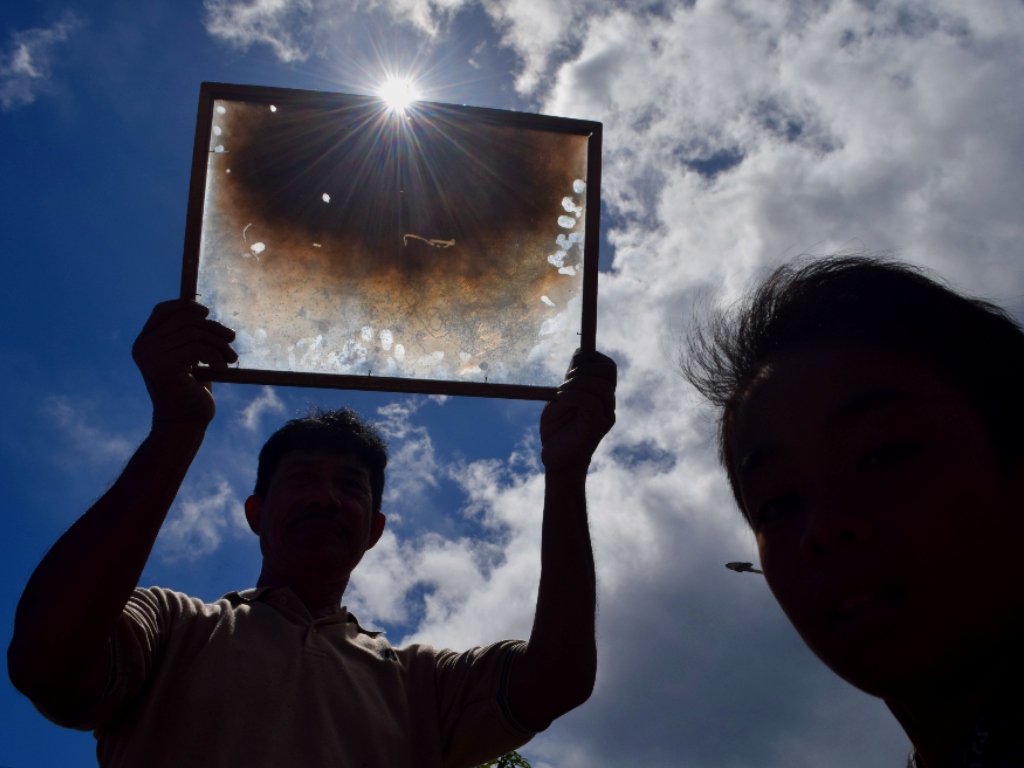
(556, 671)
(59, 655)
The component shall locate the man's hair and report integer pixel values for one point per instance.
(337, 431)
(975, 345)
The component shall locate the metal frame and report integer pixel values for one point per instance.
(208, 92)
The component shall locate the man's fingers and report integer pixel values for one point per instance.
(567, 403)
(184, 336)
(592, 405)
(197, 352)
(187, 320)
(597, 385)
(185, 354)
(592, 364)
(602, 389)
(167, 309)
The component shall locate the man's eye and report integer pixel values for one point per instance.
(347, 481)
(889, 453)
(775, 509)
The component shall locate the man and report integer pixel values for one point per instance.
(282, 674)
(872, 429)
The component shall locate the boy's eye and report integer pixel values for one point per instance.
(775, 509)
(889, 453)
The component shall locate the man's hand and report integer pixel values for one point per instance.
(176, 338)
(583, 411)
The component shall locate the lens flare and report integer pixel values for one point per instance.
(398, 93)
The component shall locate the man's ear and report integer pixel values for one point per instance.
(254, 513)
(376, 528)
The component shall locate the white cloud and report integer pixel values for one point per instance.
(26, 67)
(266, 402)
(86, 441)
(284, 25)
(891, 127)
(538, 31)
(737, 135)
(451, 571)
(475, 589)
(197, 524)
(412, 461)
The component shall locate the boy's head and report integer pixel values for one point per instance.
(337, 431)
(974, 344)
(872, 428)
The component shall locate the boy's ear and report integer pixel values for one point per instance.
(254, 513)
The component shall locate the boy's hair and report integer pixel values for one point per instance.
(975, 345)
(337, 431)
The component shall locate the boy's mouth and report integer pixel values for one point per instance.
(865, 601)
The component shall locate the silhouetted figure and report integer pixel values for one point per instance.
(872, 430)
(282, 674)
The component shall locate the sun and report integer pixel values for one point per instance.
(398, 93)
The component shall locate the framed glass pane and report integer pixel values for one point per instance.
(443, 249)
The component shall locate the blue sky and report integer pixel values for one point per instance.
(738, 134)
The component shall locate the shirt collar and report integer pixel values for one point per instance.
(997, 739)
(260, 594)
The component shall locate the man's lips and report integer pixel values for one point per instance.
(318, 521)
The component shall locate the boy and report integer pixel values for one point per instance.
(872, 430)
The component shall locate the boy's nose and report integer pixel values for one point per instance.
(835, 522)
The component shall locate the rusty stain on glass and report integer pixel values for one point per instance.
(354, 240)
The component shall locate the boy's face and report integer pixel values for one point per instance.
(887, 529)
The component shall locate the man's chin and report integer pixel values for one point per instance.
(318, 526)
(320, 553)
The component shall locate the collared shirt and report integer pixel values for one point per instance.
(254, 680)
(997, 740)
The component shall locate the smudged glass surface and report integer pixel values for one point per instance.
(353, 240)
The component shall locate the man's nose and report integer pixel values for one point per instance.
(324, 493)
(835, 521)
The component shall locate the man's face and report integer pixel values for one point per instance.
(317, 516)
(887, 530)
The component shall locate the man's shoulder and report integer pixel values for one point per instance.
(171, 602)
(500, 653)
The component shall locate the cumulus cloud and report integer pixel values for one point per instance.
(412, 461)
(198, 523)
(26, 67)
(741, 133)
(85, 440)
(266, 402)
(736, 135)
(284, 25)
(539, 32)
(403, 581)
(468, 591)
